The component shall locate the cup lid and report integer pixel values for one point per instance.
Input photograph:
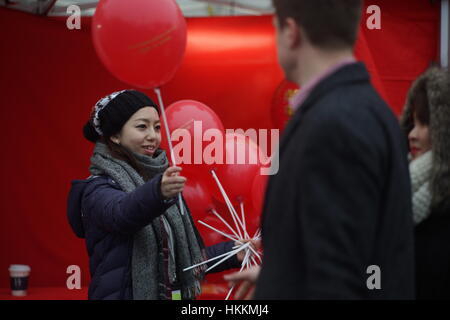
(19, 267)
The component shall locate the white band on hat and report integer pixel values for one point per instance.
(99, 106)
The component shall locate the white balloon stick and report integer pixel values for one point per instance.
(218, 231)
(169, 139)
(243, 218)
(232, 253)
(209, 260)
(224, 221)
(234, 215)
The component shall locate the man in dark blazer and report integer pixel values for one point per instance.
(337, 216)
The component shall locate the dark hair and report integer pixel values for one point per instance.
(328, 24)
(419, 104)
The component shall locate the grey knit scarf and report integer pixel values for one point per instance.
(185, 247)
(420, 172)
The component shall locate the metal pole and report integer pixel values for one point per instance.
(445, 34)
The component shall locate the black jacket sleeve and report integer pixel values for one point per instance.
(218, 249)
(116, 211)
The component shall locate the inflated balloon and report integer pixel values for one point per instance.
(211, 237)
(222, 209)
(197, 198)
(141, 42)
(242, 164)
(282, 108)
(252, 221)
(202, 127)
(251, 218)
(258, 192)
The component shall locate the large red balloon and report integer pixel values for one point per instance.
(141, 42)
(251, 217)
(196, 118)
(282, 108)
(258, 192)
(211, 237)
(198, 198)
(243, 163)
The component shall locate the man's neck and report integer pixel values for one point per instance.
(317, 62)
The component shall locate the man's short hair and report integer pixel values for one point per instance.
(328, 24)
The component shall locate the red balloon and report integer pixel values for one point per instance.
(258, 192)
(141, 42)
(282, 109)
(251, 219)
(197, 198)
(243, 163)
(222, 210)
(196, 118)
(211, 237)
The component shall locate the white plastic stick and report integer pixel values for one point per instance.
(232, 253)
(257, 234)
(256, 253)
(224, 221)
(243, 219)
(227, 201)
(207, 261)
(220, 232)
(166, 127)
(233, 212)
(229, 292)
(246, 258)
(234, 215)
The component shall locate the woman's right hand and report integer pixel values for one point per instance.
(172, 183)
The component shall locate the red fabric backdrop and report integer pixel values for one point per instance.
(50, 77)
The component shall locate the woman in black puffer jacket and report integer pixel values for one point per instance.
(137, 240)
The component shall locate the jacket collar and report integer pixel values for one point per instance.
(348, 74)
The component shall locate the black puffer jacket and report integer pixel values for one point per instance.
(107, 217)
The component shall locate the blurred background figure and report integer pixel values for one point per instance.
(426, 122)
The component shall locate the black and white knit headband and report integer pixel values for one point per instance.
(99, 106)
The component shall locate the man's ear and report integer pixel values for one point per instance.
(115, 138)
(293, 33)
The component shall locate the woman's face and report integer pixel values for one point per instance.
(141, 133)
(419, 139)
